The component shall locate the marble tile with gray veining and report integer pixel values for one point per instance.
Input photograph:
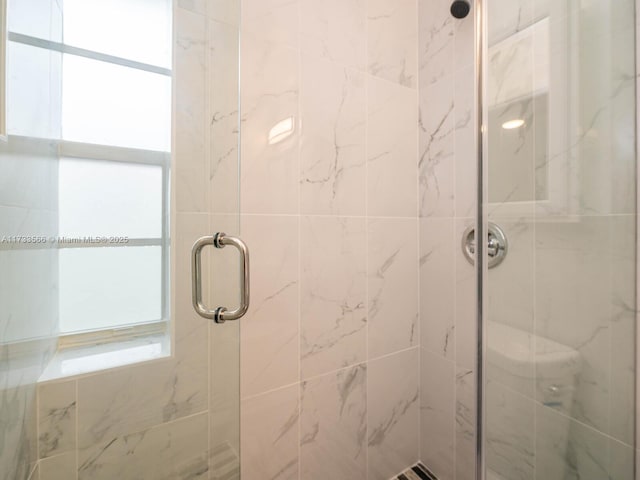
(465, 43)
(224, 398)
(56, 418)
(18, 441)
(117, 403)
(270, 127)
(510, 432)
(568, 449)
(621, 463)
(568, 260)
(624, 317)
(225, 11)
(392, 30)
(466, 398)
(334, 30)
(223, 116)
(269, 331)
(392, 285)
(270, 435)
(333, 155)
(20, 366)
(437, 286)
(466, 177)
(466, 301)
(59, 467)
(438, 414)
(191, 171)
(393, 413)
(189, 326)
(333, 425)
(512, 302)
(436, 161)
(272, 22)
(511, 70)
(436, 29)
(333, 294)
(509, 17)
(195, 6)
(171, 451)
(392, 137)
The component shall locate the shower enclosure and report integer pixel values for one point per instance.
(365, 157)
(559, 322)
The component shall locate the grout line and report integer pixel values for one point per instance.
(331, 372)
(417, 226)
(367, 80)
(547, 219)
(538, 403)
(35, 467)
(298, 134)
(534, 295)
(77, 446)
(38, 389)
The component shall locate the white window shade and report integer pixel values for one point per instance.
(109, 104)
(109, 287)
(101, 198)
(36, 18)
(33, 93)
(138, 30)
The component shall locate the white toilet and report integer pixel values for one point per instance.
(524, 370)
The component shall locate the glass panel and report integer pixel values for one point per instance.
(113, 105)
(109, 287)
(560, 311)
(33, 91)
(47, 291)
(99, 198)
(47, 24)
(143, 28)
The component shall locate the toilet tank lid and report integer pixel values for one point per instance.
(516, 350)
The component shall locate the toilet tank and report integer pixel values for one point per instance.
(526, 363)
(524, 370)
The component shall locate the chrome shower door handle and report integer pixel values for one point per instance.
(220, 314)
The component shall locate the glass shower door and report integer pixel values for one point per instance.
(120, 151)
(560, 310)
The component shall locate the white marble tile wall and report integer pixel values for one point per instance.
(357, 180)
(330, 370)
(328, 199)
(447, 203)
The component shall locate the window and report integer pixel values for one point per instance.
(102, 68)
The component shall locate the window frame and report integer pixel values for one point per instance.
(89, 151)
(3, 70)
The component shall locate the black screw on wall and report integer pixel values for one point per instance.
(460, 8)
